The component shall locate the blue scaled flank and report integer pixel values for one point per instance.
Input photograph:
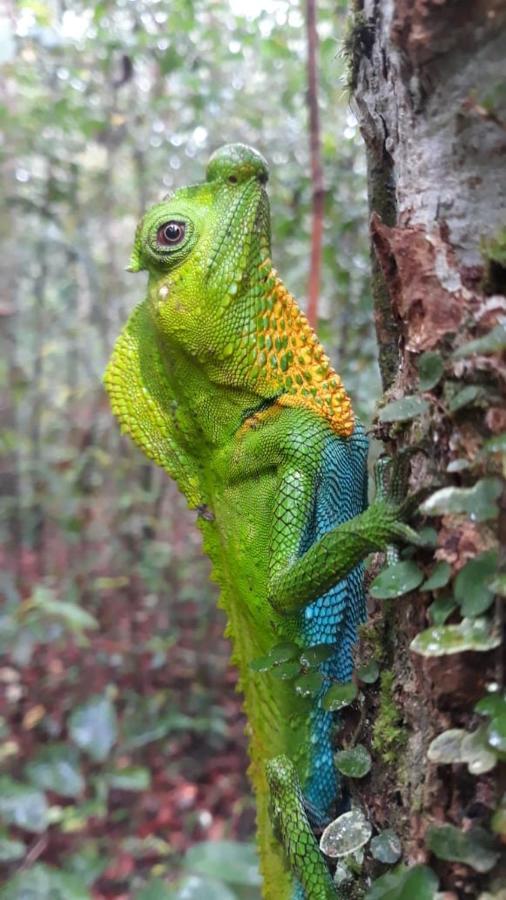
(335, 616)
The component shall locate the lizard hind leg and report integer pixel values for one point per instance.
(291, 824)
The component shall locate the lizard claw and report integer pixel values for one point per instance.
(391, 478)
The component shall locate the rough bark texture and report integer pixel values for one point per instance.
(426, 88)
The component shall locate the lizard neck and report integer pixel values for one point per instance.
(274, 352)
(293, 359)
(252, 347)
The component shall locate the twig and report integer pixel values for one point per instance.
(316, 164)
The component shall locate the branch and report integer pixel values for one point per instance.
(318, 192)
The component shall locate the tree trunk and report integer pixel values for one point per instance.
(426, 89)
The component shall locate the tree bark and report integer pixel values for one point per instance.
(426, 80)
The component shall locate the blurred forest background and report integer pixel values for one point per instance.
(122, 749)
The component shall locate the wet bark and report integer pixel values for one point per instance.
(426, 89)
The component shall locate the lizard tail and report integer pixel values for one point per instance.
(292, 825)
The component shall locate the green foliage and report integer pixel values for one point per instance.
(22, 805)
(93, 727)
(492, 342)
(339, 695)
(470, 634)
(459, 746)
(346, 834)
(354, 763)
(56, 768)
(403, 410)
(479, 501)
(386, 847)
(369, 673)
(405, 884)
(219, 870)
(475, 847)
(396, 580)
(430, 370)
(43, 882)
(472, 590)
(231, 861)
(438, 578)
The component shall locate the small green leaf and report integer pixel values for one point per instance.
(492, 704)
(471, 584)
(430, 369)
(498, 820)
(498, 585)
(441, 609)
(22, 805)
(475, 848)
(428, 535)
(492, 342)
(262, 664)
(312, 657)
(339, 695)
(286, 671)
(346, 834)
(354, 763)
(10, 849)
(56, 768)
(464, 397)
(458, 465)
(446, 748)
(415, 883)
(479, 501)
(309, 685)
(157, 889)
(131, 778)
(43, 882)
(396, 580)
(231, 861)
(193, 887)
(369, 673)
(470, 634)
(72, 616)
(476, 752)
(93, 727)
(87, 863)
(284, 652)
(496, 444)
(496, 733)
(438, 578)
(386, 847)
(404, 409)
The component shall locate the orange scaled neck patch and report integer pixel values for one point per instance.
(291, 359)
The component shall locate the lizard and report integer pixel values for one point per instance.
(219, 379)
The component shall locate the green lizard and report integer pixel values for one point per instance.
(219, 379)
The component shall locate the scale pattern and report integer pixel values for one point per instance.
(294, 361)
(295, 832)
(334, 617)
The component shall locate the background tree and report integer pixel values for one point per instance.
(427, 82)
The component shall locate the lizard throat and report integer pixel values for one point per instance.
(291, 362)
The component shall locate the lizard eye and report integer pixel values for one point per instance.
(170, 233)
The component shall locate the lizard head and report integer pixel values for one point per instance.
(203, 244)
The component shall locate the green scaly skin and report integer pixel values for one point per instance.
(218, 379)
